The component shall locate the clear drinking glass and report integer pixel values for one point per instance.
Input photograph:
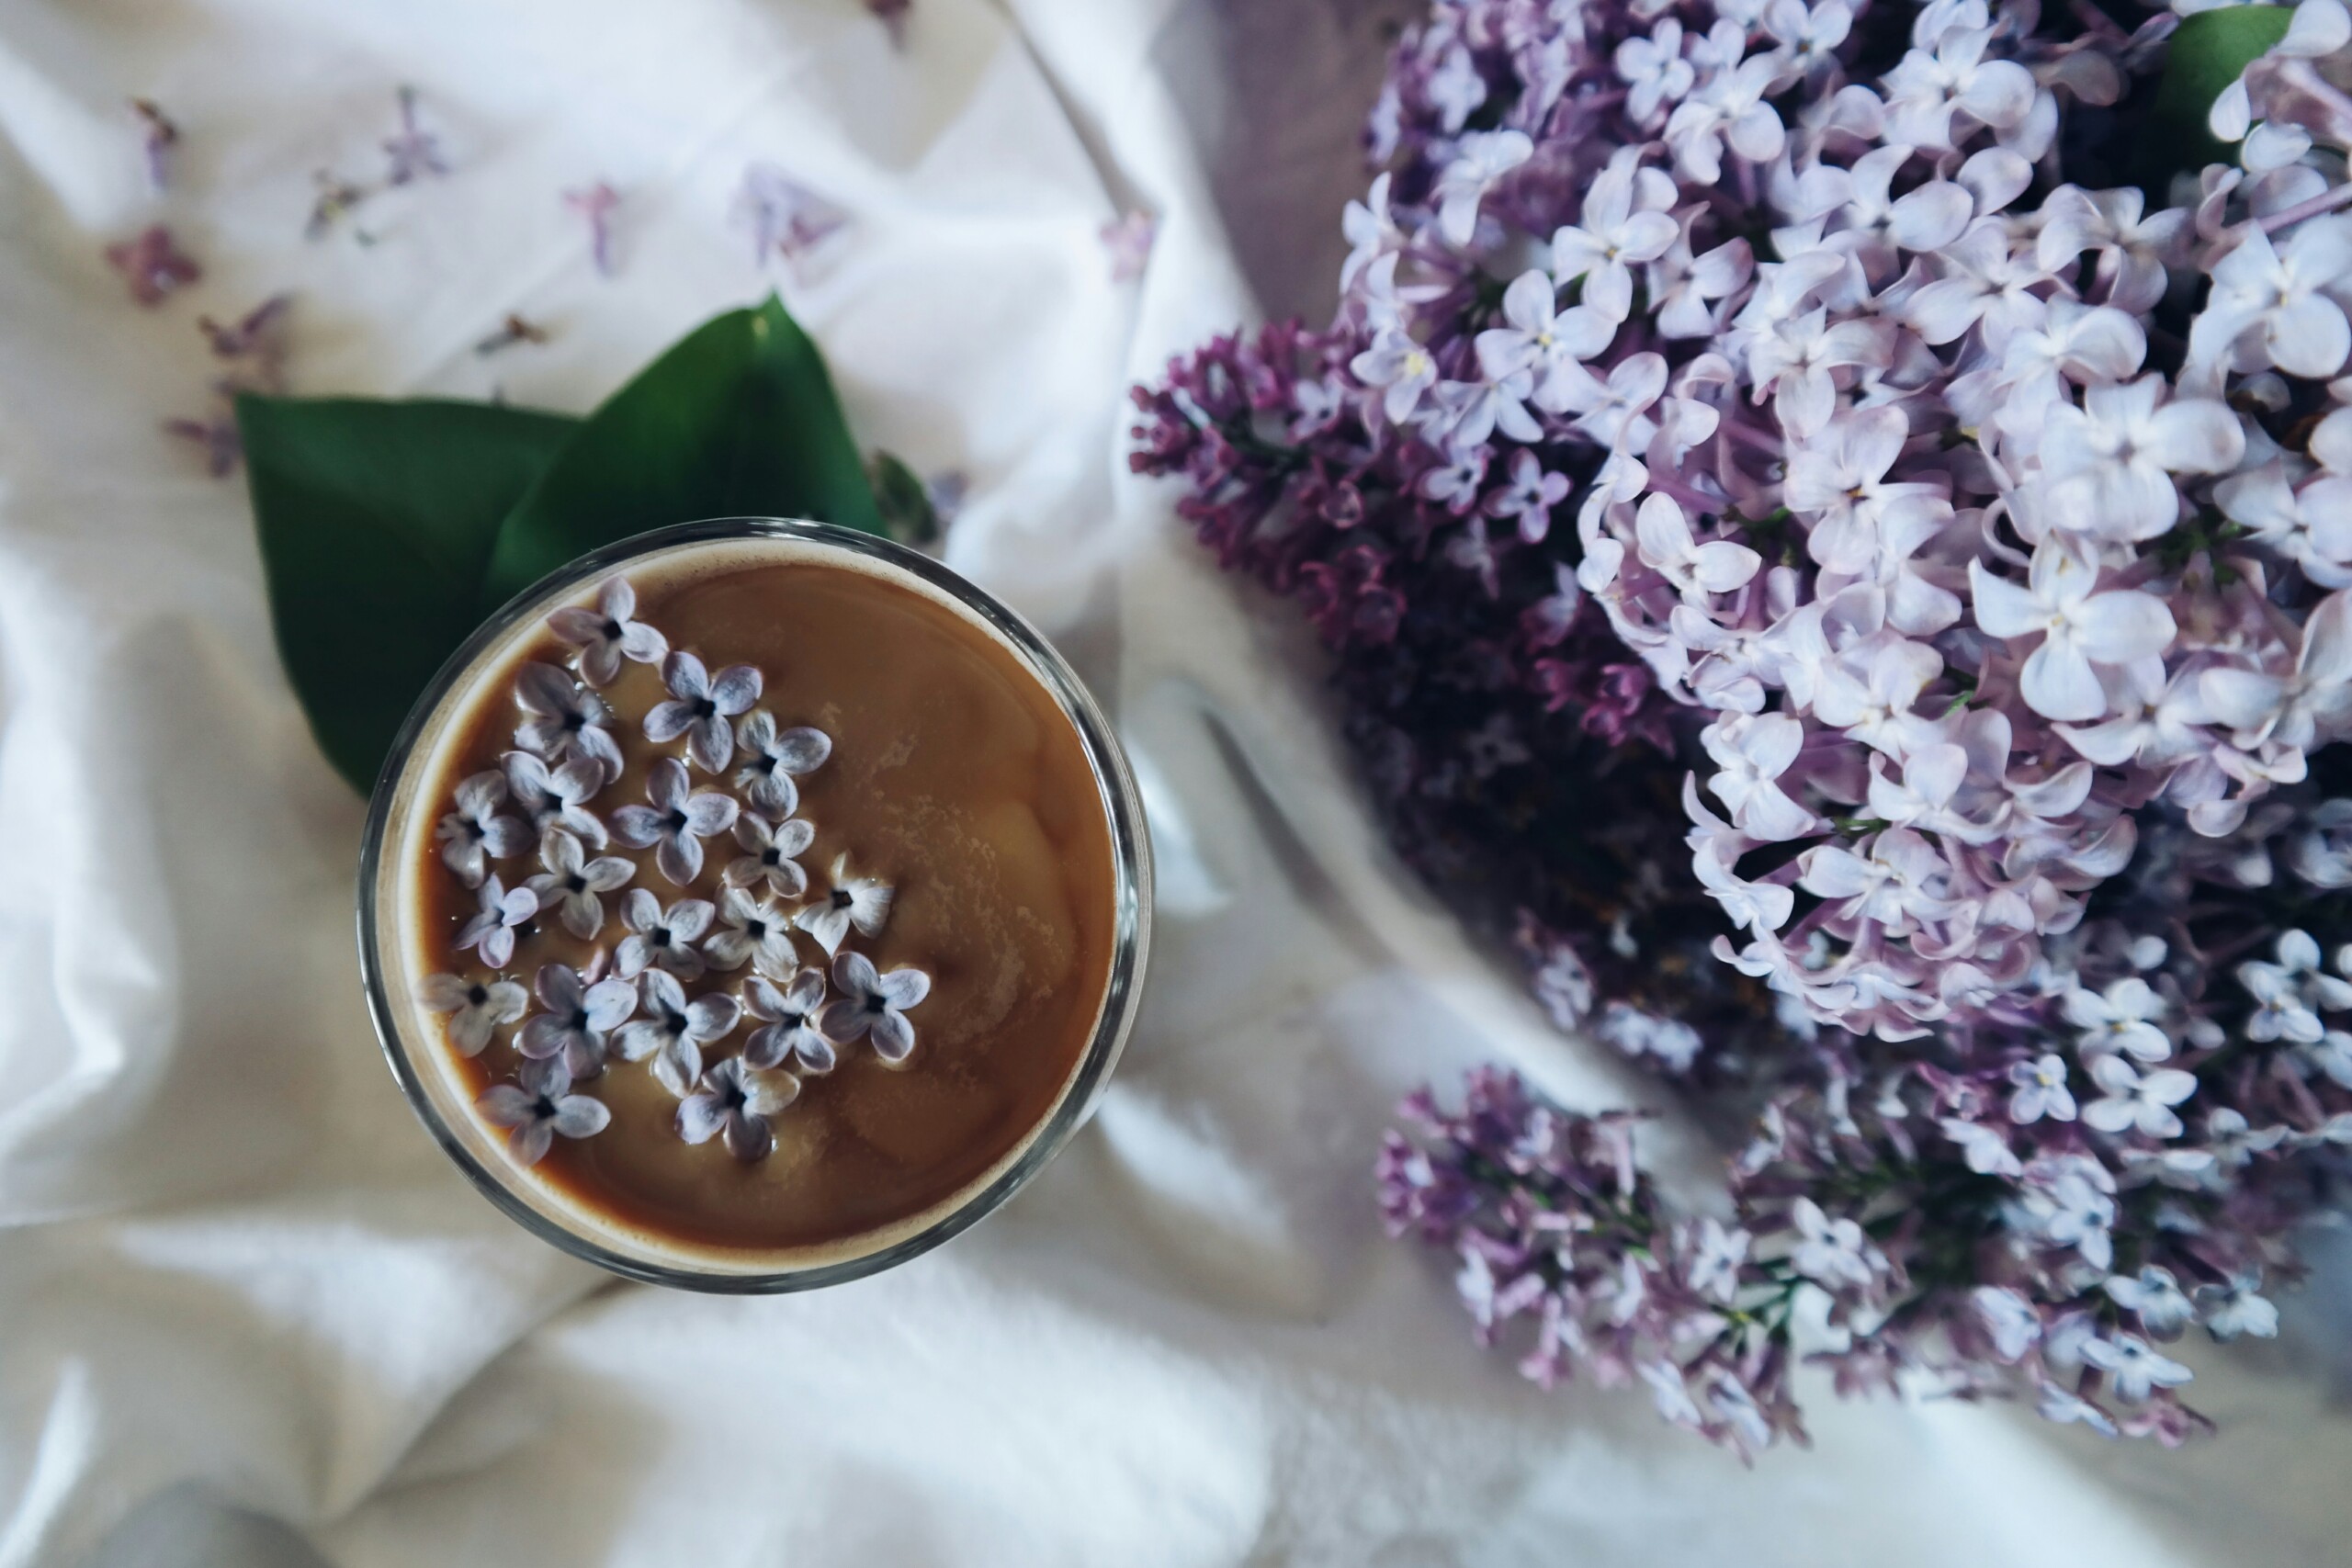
(399, 824)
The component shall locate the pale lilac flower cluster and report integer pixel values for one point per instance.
(630, 1001)
(1968, 537)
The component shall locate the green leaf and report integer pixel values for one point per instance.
(2209, 51)
(738, 419)
(903, 500)
(376, 521)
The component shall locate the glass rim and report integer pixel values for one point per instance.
(1131, 909)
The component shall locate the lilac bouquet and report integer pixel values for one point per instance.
(1834, 520)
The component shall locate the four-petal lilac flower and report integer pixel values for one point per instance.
(736, 1099)
(475, 1007)
(677, 822)
(860, 901)
(573, 885)
(541, 1107)
(564, 721)
(582, 1010)
(609, 633)
(788, 1015)
(751, 930)
(491, 929)
(661, 936)
(558, 798)
(674, 1030)
(772, 757)
(476, 832)
(768, 854)
(873, 1005)
(699, 706)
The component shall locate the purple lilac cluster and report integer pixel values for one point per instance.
(1861, 593)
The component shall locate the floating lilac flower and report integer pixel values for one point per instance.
(1128, 241)
(154, 265)
(659, 936)
(475, 1007)
(699, 706)
(565, 721)
(772, 757)
(873, 1005)
(491, 930)
(540, 1108)
(675, 824)
(412, 152)
(860, 901)
(2134, 1366)
(751, 930)
(476, 832)
(595, 204)
(674, 1030)
(788, 1014)
(2040, 1091)
(737, 1099)
(768, 854)
(784, 218)
(573, 885)
(558, 798)
(583, 1010)
(609, 633)
(2137, 1101)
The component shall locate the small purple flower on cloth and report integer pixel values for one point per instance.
(677, 822)
(541, 1107)
(661, 936)
(788, 1015)
(753, 930)
(768, 854)
(162, 134)
(700, 705)
(737, 1099)
(783, 215)
(873, 1005)
(583, 1010)
(608, 634)
(674, 1030)
(1128, 241)
(564, 721)
(154, 265)
(491, 930)
(558, 798)
(572, 885)
(412, 152)
(860, 901)
(216, 435)
(772, 756)
(595, 204)
(477, 832)
(475, 1007)
(256, 339)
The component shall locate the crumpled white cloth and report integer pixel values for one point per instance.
(247, 1312)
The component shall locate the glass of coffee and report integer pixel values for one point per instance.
(754, 905)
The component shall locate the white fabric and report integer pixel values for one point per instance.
(238, 1284)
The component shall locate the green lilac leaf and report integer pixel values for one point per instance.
(2209, 51)
(377, 521)
(738, 419)
(903, 500)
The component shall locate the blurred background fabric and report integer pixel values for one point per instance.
(250, 1315)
